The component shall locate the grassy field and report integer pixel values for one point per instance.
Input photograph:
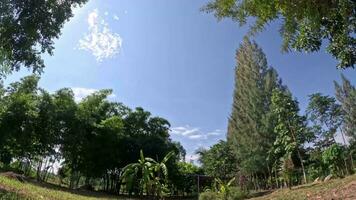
(343, 189)
(12, 189)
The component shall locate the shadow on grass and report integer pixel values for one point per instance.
(260, 193)
(98, 194)
(85, 193)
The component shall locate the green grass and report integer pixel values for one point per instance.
(334, 189)
(16, 190)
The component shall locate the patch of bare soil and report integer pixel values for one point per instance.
(346, 192)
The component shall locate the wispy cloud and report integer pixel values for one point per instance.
(192, 158)
(194, 138)
(100, 41)
(80, 93)
(194, 133)
(115, 17)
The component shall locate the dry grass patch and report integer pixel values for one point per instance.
(335, 189)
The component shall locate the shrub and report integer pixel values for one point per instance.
(209, 196)
(334, 157)
(235, 193)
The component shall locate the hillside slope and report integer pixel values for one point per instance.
(13, 189)
(344, 189)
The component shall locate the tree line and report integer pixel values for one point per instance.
(93, 139)
(270, 143)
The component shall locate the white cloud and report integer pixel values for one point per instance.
(216, 132)
(106, 13)
(198, 136)
(193, 138)
(101, 42)
(194, 133)
(81, 93)
(115, 17)
(184, 130)
(193, 158)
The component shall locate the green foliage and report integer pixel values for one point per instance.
(250, 127)
(346, 95)
(150, 174)
(232, 193)
(28, 28)
(222, 188)
(182, 179)
(334, 157)
(291, 128)
(316, 167)
(219, 160)
(93, 138)
(235, 193)
(209, 196)
(305, 23)
(287, 169)
(326, 117)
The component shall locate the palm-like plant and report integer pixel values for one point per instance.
(152, 175)
(221, 187)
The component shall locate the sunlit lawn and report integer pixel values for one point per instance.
(13, 189)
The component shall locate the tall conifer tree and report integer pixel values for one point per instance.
(346, 95)
(250, 127)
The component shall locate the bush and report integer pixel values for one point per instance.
(334, 157)
(235, 193)
(209, 196)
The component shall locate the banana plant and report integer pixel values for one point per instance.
(152, 175)
(132, 172)
(221, 187)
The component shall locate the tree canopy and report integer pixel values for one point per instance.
(28, 29)
(93, 138)
(305, 24)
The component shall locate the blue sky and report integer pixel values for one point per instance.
(172, 60)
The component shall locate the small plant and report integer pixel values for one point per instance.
(150, 175)
(209, 195)
(235, 193)
(222, 188)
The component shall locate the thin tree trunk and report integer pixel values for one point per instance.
(301, 162)
(298, 152)
(344, 140)
(276, 178)
(38, 171)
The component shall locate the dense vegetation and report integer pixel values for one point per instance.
(93, 139)
(270, 144)
(98, 144)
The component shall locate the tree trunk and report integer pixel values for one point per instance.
(344, 140)
(299, 156)
(301, 162)
(38, 171)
